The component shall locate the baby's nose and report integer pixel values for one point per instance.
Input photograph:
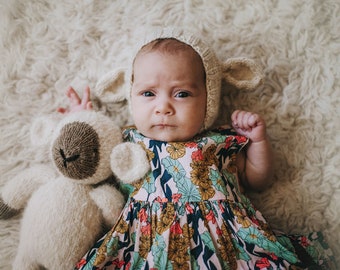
(164, 107)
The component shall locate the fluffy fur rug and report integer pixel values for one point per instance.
(48, 45)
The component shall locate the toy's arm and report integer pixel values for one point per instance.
(129, 162)
(110, 201)
(18, 190)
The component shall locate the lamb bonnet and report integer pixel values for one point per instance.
(211, 65)
(241, 73)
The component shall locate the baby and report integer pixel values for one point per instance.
(189, 211)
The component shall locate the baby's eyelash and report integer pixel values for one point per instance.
(147, 94)
(182, 94)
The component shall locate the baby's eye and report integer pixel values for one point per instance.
(182, 94)
(147, 94)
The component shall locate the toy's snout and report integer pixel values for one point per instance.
(76, 150)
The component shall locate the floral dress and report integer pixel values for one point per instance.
(189, 213)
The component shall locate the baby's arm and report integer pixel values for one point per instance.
(76, 103)
(256, 164)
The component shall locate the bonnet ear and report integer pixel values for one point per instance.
(112, 86)
(242, 73)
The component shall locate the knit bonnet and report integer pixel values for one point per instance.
(241, 73)
(211, 66)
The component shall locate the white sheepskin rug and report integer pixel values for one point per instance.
(45, 46)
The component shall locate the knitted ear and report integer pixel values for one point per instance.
(242, 73)
(112, 87)
(42, 129)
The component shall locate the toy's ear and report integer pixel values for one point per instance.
(112, 87)
(42, 129)
(242, 73)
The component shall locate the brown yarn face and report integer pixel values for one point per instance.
(76, 151)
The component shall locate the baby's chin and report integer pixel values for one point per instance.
(167, 135)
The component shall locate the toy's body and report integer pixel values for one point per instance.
(74, 225)
(66, 209)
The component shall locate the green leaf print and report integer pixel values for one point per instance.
(159, 253)
(174, 168)
(184, 185)
(206, 239)
(230, 178)
(137, 262)
(311, 250)
(217, 181)
(254, 236)
(251, 235)
(242, 254)
(285, 241)
(181, 209)
(133, 237)
(189, 191)
(149, 185)
(89, 264)
(217, 138)
(194, 263)
(112, 246)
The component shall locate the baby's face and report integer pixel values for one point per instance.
(168, 96)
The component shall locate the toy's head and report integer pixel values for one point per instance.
(81, 146)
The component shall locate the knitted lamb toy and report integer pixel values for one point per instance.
(68, 205)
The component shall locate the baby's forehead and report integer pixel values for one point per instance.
(169, 46)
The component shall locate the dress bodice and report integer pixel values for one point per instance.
(201, 169)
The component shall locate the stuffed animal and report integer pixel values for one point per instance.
(68, 203)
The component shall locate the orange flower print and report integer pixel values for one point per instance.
(161, 200)
(262, 263)
(221, 207)
(81, 263)
(176, 197)
(118, 263)
(189, 208)
(143, 216)
(304, 241)
(228, 141)
(211, 217)
(197, 155)
(219, 231)
(273, 256)
(255, 221)
(240, 139)
(146, 229)
(176, 228)
(191, 144)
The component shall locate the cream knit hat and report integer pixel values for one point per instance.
(241, 73)
(211, 66)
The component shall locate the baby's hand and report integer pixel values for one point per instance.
(249, 124)
(76, 103)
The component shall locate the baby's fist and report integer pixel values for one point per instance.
(249, 124)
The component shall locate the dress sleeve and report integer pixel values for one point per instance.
(232, 141)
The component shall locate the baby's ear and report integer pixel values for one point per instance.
(112, 87)
(242, 73)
